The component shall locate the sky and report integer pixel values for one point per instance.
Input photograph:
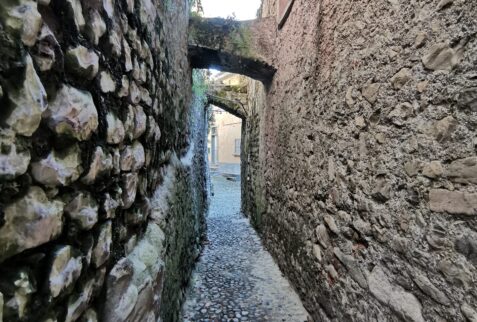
(243, 9)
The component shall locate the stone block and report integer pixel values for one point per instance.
(79, 302)
(83, 210)
(64, 271)
(453, 202)
(463, 170)
(403, 303)
(82, 62)
(440, 57)
(101, 164)
(132, 157)
(72, 113)
(59, 168)
(27, 101)
(129, 183)
(21, 17)
(29, 222)
(102, 247)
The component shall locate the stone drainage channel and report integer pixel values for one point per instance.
(236, 279)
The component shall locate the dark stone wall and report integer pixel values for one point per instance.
(102, 164)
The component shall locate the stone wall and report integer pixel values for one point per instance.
(368, 158)
(101, 161)
(251, 168)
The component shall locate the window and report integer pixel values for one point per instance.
(237, 147)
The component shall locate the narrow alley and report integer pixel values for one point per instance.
(236, 279)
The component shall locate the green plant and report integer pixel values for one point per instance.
(200, 84)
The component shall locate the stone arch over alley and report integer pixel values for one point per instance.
(241, 47)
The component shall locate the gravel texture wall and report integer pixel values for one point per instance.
(368, 158)
(102, 170)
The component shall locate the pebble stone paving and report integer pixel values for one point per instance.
(236, 279)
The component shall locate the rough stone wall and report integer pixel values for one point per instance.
(251, 168)
(369, 158)
(101, 160)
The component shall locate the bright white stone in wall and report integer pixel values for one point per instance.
(59, 168)
(72, 113)
(28, 102)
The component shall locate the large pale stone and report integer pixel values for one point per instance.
(127, 56)
(101, 164)
(21, 17)
(352, 266)
(102, 247)
(96, 27)
(115, 42)
(441, 57)
(130, 6)
(433, 169)
(78, 303)
(129, 187)
(73, 113)
(453, 202)
(153, 130)
(108, 6)
(134, 93)
(65, 270)
(457, 272)
(401, 302)
(371, 91)
(121, 293)
(82, 62)
(28, 102)
(29, 222)
(115, 132)
(59, 168)
(401, 113)
(13, 161)
(132, 157)
(401, 78)
(427, 287)
(106, 82)
(469, 313)
(463, 170)
(83, 209)
(443, 129)
(322, 236)
(75, 12)
(145, 96)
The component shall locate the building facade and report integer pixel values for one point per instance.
(224, 141)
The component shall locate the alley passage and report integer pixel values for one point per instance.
(236, 279)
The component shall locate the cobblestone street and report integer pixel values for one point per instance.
(235, 278)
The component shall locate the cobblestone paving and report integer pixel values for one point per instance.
(236, 279)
